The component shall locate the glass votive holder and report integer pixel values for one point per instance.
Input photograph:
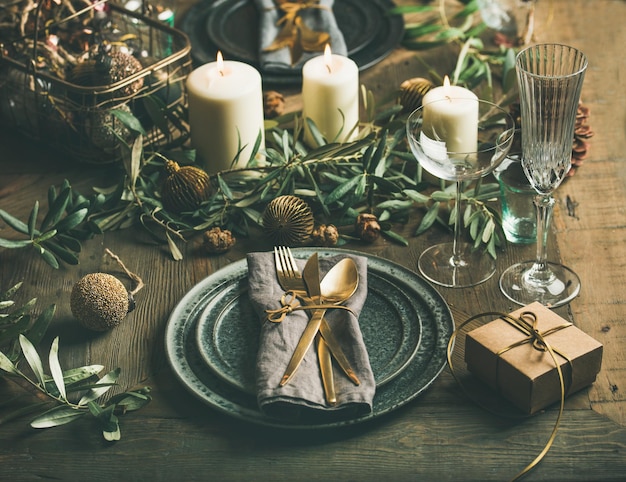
(519, 219)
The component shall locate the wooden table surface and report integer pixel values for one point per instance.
(439, 436)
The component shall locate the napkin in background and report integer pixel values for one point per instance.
(319, 19)
(303, 397)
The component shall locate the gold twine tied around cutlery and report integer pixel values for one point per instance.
(526, 323)
(294, 33)
(290, 302)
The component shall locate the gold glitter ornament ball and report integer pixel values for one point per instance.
(100, 301)
(288, 220)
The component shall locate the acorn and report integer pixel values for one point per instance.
(412, 92)
(273, 104)
(100, 301)
(367, 227)
(184, 188)
(288, 220)
(218, 240)
(325, 235)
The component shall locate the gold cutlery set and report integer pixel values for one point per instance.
(306, 291)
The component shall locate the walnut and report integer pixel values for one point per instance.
(217, 240)
(325, 235)
(273, 104)
(367, 227)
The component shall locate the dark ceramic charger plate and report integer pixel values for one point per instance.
(231, 26)
(227, 336)
(192, 371)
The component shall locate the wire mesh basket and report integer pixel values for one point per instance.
(125, 67)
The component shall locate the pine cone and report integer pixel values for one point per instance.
(582, 132)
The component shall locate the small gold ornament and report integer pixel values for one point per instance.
(412, 91)
(108, 68)
(217, 240)
(100, 301)
(105, 130)
(288, 220)
(185, 188)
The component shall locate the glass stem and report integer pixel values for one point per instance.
(543, 205)
(456, 251)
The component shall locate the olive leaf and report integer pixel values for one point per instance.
(59, 384)
(55, 369)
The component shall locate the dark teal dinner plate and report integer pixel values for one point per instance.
(224, 380)
(227, 337)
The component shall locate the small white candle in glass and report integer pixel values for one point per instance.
(450, 115)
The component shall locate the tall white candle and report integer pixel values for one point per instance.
(450, 115)
(330, 96)
(225, 112)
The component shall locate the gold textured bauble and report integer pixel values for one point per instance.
(105, 130)
(412, 91)
(288, 220)
(108, 68)
(185, 188)
(99, 301)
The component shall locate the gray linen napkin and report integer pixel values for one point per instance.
(318, 19)
(303, 397)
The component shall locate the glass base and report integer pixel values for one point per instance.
(556, 286)
(471, 267)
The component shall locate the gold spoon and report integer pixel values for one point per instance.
(323, 353)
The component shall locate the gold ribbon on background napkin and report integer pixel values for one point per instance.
(527, 324)
(293, 31)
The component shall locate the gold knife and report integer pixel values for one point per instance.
(311, 275)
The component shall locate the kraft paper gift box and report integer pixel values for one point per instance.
(504, 356)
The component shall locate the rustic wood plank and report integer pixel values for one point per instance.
(439, 436)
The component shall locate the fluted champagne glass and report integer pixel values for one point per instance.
(550, 79)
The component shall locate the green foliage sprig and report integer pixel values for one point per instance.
(58, 387)
(17, 320)
(63, 395)
(375, 173)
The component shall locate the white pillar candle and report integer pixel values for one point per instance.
(450, 115)
(330, 96)
(225, 112)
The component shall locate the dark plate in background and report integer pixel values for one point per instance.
(232, 27)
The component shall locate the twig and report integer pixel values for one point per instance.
(131, 275)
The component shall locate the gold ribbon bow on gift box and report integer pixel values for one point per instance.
(294, 33)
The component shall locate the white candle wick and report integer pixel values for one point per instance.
(328, 59)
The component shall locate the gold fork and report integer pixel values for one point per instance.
(290, 279)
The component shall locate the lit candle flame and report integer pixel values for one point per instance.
(328, 58)
(220, 63)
